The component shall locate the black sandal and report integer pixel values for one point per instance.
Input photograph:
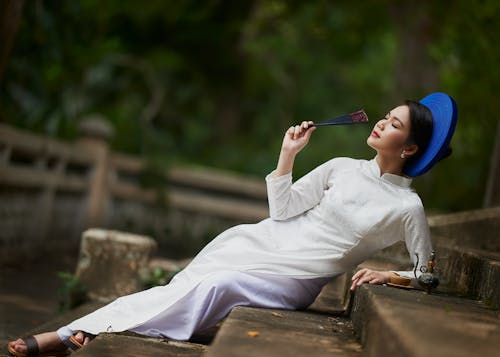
(74, 344)
(33, 349)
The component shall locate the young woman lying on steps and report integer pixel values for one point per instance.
(324, 224)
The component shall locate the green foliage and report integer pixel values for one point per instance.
(72, 292)
(158, 276)
(218, 82)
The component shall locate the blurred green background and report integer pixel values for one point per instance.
(218, 82)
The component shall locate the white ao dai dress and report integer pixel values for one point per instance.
(325, 223)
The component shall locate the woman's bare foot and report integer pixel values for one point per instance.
(47, 342)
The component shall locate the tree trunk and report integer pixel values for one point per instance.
(10, 16)
(415, 72)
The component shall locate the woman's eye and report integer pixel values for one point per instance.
(394, 126)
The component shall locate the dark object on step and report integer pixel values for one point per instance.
(428, 279)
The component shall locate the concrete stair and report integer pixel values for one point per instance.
(267, 332)
(459, 318)
(473, 273)
(128, 345)
(396, 322)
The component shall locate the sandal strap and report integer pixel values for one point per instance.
(73, 343)
(31, 345)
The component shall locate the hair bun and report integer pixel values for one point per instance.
(446, 154)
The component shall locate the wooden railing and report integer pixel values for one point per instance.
(50, 191)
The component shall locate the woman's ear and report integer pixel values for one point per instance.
(410, 150)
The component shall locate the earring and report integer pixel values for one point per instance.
(403, 156)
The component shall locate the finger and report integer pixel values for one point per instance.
(309, 132)
(296, 131)
(363, 280)
(304, 124)
(359, 274)
(353, 285)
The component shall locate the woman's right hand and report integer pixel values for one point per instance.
(297, 137)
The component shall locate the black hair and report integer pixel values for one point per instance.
(421, 124)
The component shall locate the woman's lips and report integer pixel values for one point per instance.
(375, 134)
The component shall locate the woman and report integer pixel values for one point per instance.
(324, 224)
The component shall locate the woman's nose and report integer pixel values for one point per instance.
(380, 124)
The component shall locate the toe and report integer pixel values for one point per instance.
(79, 337)
(19, 346)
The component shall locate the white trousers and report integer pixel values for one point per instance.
(214, 297)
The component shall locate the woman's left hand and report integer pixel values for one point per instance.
(370, 276)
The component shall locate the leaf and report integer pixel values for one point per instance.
(253, 333)
(277, 314)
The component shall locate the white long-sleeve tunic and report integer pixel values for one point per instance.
(327, 222)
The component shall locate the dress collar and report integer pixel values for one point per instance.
(398, 180)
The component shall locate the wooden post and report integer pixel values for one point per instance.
(45, 203)
(95, 133)
(5, 151)
(492, 194)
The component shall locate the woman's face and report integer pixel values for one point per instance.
(389, 135)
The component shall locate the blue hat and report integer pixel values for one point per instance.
(444, 115)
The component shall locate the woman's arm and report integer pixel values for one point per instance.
(370, 276)
(296, 138)
(287, 200)
(417, 238)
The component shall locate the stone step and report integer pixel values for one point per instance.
(319, 330)
(397, 322)
(476, 229)
(262, 332)
(127, 344)
(471, 272)
(130, 345)
(334, 297)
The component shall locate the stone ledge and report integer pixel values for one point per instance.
(477, 229)
(283, 333)
(131, 346)
(396, 322)
(471, 272)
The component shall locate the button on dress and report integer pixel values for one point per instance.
(324, 224)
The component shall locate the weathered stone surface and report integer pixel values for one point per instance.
(396, 322)
(333, 298)
(471, 272)
(133, 346)
(477, 229)
(269, 332)
(110, 262)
